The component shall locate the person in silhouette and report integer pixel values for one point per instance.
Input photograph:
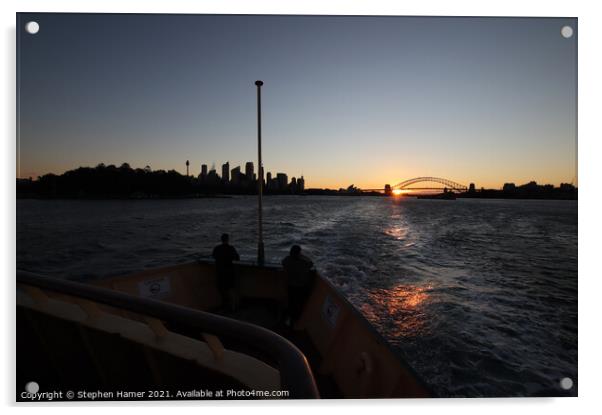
(224, 255)
(299, 281)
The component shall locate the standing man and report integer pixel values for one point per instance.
(224, 254)
(299, 281)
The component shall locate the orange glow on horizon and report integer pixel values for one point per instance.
(27, 170)
(401, 192)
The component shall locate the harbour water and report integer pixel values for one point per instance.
(480, 296)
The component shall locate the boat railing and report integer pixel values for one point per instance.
(295, 374)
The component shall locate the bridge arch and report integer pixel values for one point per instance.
(449, 184)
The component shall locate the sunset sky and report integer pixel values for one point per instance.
(362, 100)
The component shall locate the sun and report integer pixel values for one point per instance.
(397, 192)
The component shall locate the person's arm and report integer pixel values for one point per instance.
(308, 261)
(236, 256)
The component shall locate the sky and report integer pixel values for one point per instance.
(346, 100)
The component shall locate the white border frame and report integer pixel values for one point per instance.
(590, 68)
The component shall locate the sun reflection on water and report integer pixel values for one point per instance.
(402, 307)
(397, 232)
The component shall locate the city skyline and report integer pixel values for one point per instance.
(278, 181)
(362, 100)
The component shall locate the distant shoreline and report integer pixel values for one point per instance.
(228, 196)
(125, 183)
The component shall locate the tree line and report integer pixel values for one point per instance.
(110, 181)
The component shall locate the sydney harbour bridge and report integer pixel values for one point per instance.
(426, 184)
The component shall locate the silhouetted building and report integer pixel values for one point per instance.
(203, 174)
(212, 178)
(471, 188)
(249, 169)
(187, 165)
(293, 185)
(567, 187)
(351, 189)
(235, 179)
(301, 184)
(226, 172)
(274, 184)
(530, 187)
(282, 180)
(388, 190)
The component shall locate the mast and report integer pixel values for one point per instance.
(260, 251)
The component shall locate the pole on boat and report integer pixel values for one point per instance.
(260, 251)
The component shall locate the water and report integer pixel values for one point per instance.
(480, 296)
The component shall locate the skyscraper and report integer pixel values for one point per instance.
(226, 172)
(235, 180)
(301, 184)
(203, 173)
(249, 170)
(212, 178)
(282, 181)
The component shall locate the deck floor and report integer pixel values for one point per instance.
(268, 315)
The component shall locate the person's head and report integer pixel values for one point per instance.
(295, 251)
(225, 238)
